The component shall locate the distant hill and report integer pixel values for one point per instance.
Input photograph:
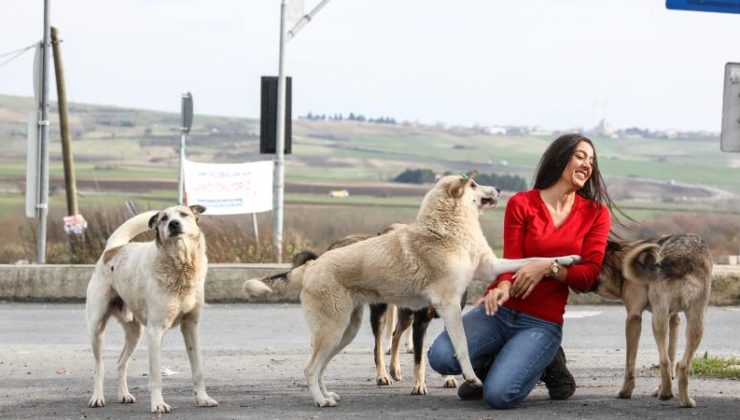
(117, 144)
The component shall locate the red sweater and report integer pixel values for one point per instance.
(529, 232)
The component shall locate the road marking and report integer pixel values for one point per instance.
(580, 314)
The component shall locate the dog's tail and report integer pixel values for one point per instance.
(130, 229)
(281, 285)
(641, 264)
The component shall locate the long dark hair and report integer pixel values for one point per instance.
(557, 157)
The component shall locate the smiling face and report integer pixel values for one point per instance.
(580, 166)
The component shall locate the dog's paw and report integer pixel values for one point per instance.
(625, 394)
(396, 373)
(205, 401)
(475, 382)
(326, 402)
(161, 408)
(383, 380)
(96, 401)
(569, 260)
(689, 403)
(333, 396)
(449, 382)
(419, 389)
(409, 348)
(126, 398)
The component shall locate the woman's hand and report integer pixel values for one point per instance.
(527, 277)
(494, 298)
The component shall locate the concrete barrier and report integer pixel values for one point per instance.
(52, 282)
(63, 282)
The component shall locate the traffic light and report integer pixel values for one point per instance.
(268, 115)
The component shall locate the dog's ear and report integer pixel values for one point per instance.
(197, 210)
(457, 187)
(153, 221)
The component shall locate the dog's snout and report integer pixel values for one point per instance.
(175, 226)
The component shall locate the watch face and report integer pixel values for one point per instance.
(554, 268)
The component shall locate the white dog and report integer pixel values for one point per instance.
(154, 286)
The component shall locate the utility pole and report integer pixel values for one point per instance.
(42, 208)
(187, 122)
(70, 184)
(279, 176)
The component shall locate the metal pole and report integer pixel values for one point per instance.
(256, 234)
(277, 220)
(70, 183)
(181, 177)
(42, 209)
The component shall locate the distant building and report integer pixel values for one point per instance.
(604, 129)
(499, 131)
(339, 194)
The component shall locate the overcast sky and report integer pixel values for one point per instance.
(555, 63)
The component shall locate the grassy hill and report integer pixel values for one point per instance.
(123, 154)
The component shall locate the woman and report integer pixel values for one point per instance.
(514, 331)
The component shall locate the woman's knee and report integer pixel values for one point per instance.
(501, 396)
(441, 356)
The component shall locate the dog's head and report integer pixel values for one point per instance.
(465, 190)
(176, 221)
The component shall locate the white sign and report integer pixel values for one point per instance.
(229, 188)
(75, 225)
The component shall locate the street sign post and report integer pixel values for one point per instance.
(187, 123)
(730, 137)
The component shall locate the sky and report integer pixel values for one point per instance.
(559, 64)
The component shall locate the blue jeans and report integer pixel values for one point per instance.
(521, 344)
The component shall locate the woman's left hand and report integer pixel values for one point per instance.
(527, 277)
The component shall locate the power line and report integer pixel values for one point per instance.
(15, 54)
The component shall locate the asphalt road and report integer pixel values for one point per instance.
(255, 354)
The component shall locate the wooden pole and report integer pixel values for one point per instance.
(70, 184)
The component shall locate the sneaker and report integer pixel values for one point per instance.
(559, 381)
(466, 392)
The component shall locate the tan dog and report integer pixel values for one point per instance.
(665, 275)
(154, 286)
(429, 262)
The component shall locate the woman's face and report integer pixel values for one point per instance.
(580, 167)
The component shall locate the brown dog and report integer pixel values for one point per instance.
(664, 275)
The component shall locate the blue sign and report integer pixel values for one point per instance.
(718, 6)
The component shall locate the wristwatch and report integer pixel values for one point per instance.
(554, 268)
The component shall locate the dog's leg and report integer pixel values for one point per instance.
(660, 331)
(632, 330)
(189, 328)
(421, 322)
(409, 341)
(98, 313)
(389, 325)
(377, 314)
(132, 331)
(402, 325)
(452, 316)
(673, 342)
(694, 333)
(155, 334)
(349, 334)
(328, 321)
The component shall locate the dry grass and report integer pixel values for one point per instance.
(231, 239)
